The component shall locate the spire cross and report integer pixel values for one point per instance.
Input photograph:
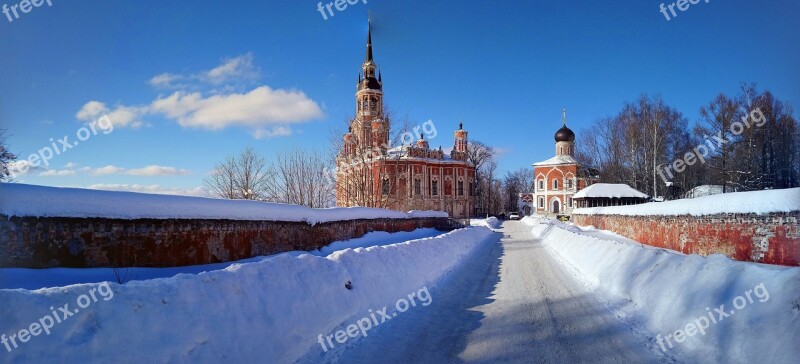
(564, 117)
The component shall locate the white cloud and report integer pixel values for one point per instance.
(164, 80)
(231, 70)
(278, 131)
(70, 165)
(264, 111)
(157, 189)
(148, 171)
(258, 108)
(103, 171)
(155, 170)
(238, 68)
(57, 173)
(121, 116)
(91, 110)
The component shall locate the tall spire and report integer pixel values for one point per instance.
(369, 41)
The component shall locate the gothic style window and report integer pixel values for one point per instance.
(555, 184)
(435, 188)
(541, 202)
(541, 185)
(569, 185)
(461, 188)
(569, 201)
(471, 190)
(417, 187)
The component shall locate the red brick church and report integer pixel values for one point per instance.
(557, 179)
(372, 173)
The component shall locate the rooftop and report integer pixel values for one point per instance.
(609, 190)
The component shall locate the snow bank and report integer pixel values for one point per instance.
(40, 201)
(758, 202)
(491, 222)
(59, 277)
(269, 311)
(660, 292)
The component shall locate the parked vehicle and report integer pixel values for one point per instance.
(513, 216)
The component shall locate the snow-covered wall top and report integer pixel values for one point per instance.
(40, 201)
(610, 190)
(755, 202)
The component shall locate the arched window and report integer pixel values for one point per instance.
(569, 185)
(541, 202)
(541, 185)
(555, 184)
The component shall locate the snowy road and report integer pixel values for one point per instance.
(514, 303)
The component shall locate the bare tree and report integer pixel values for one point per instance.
(715, 126)
(514, 183)
(245, 177)
(6, 158)
(631, 147)
(488, 189)
(299, 177)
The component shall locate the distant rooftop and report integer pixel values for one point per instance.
(609, 190)
(557, 160)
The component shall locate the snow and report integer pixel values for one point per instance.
(756, 202)
(512, 304)
(705, 190)
(658, 292)
(610, 190)
(40, 201)
(267, 311)
(58, 277)
(491, 222)
(559, 159)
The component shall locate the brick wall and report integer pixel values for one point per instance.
(29, 242)
(771, 239)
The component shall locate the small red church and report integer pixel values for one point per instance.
(557, 179)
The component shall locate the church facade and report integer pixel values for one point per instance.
(558, 179)
(372, 173)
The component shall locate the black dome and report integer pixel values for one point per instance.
(565, 135)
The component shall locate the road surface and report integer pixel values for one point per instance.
(514, 303)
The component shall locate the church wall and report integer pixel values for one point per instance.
(772, 238)
(47, 242)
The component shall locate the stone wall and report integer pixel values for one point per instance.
(30, 242)
(771, 239)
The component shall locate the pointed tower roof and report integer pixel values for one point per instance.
(369, 42)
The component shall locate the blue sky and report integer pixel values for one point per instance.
(275, 75)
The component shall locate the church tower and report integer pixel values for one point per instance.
(370, 127)
(460, 143)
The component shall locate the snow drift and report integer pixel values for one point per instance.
(491, 222)
(660, 292)
(58, 277)
(268, 311)
(40, 201)
(757, 202)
